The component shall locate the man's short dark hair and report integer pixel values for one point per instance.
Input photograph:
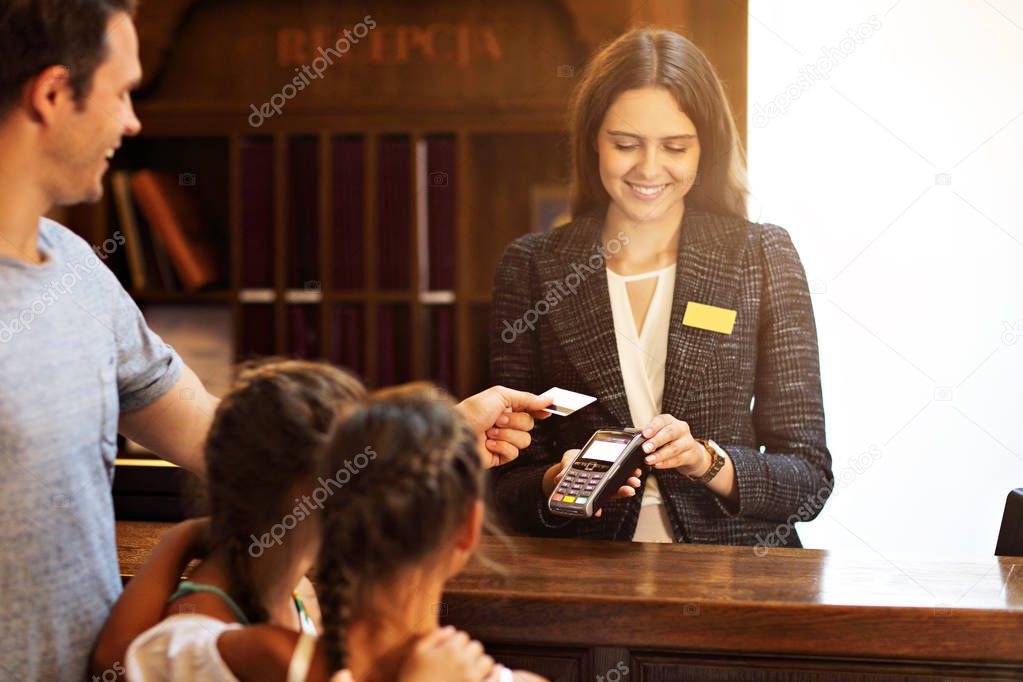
(38, 34)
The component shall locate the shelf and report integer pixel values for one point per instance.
(182, 297)
(373, 251)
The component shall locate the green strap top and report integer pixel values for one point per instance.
(187, 587)
(305, 621)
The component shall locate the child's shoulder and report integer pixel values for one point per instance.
(264, 652)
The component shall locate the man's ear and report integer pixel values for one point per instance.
(48, 92)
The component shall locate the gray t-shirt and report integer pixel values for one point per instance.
(74, 353)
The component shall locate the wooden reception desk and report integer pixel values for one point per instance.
(578, 610)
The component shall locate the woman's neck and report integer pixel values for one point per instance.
(378, 646)
(642, 245)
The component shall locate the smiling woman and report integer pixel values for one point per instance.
(692, 315)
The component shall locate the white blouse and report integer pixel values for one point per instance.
(642, 355)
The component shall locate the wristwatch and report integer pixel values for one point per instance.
(717, 461)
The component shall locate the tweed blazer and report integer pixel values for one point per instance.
(756, 392)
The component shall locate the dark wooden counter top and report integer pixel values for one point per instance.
(724, 599)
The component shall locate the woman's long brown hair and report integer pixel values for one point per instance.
(651, 57)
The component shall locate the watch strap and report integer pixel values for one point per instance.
(717, 461)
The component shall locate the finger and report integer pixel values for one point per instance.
(669, 432)
(688, 458)
(661, 438)
(521, 421)
(624, 492)
(482, 666)
(518, 439)
(456, 642)
(668, 453)
(523, 401)
(566, 459)
(435, 638)
(684, 451)
(472, 651)
(504, 451)
(656, 424)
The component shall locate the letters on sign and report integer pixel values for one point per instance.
(460, 44)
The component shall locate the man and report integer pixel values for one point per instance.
(77, 361)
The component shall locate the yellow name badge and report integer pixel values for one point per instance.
(720, 320)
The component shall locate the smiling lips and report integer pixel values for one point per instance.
(647, 192)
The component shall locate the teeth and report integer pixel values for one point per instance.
(648, 191)
(110, 153)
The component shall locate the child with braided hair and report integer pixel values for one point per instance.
(263, 453)
(407, 523)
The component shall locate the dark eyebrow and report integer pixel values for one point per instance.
(622, 133)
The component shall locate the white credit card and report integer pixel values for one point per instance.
(566, 402)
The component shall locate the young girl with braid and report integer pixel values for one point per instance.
(264, 455)
(405, 525)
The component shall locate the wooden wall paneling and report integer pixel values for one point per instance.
(673, 14)
(234, 231)
(181, 118)
(282, 204)
(597, 21)
(555, 664)
(419, 315)
(89, 221)
(157, 23)
(429, 57)
(369, 250)
(721, 30)
(326, 241)
(477, 346)
(504, 166)
(698, 667)
(610, 664)
(463, 181)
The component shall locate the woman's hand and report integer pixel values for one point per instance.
(670, 445)
(554, 475)
(447, 654)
